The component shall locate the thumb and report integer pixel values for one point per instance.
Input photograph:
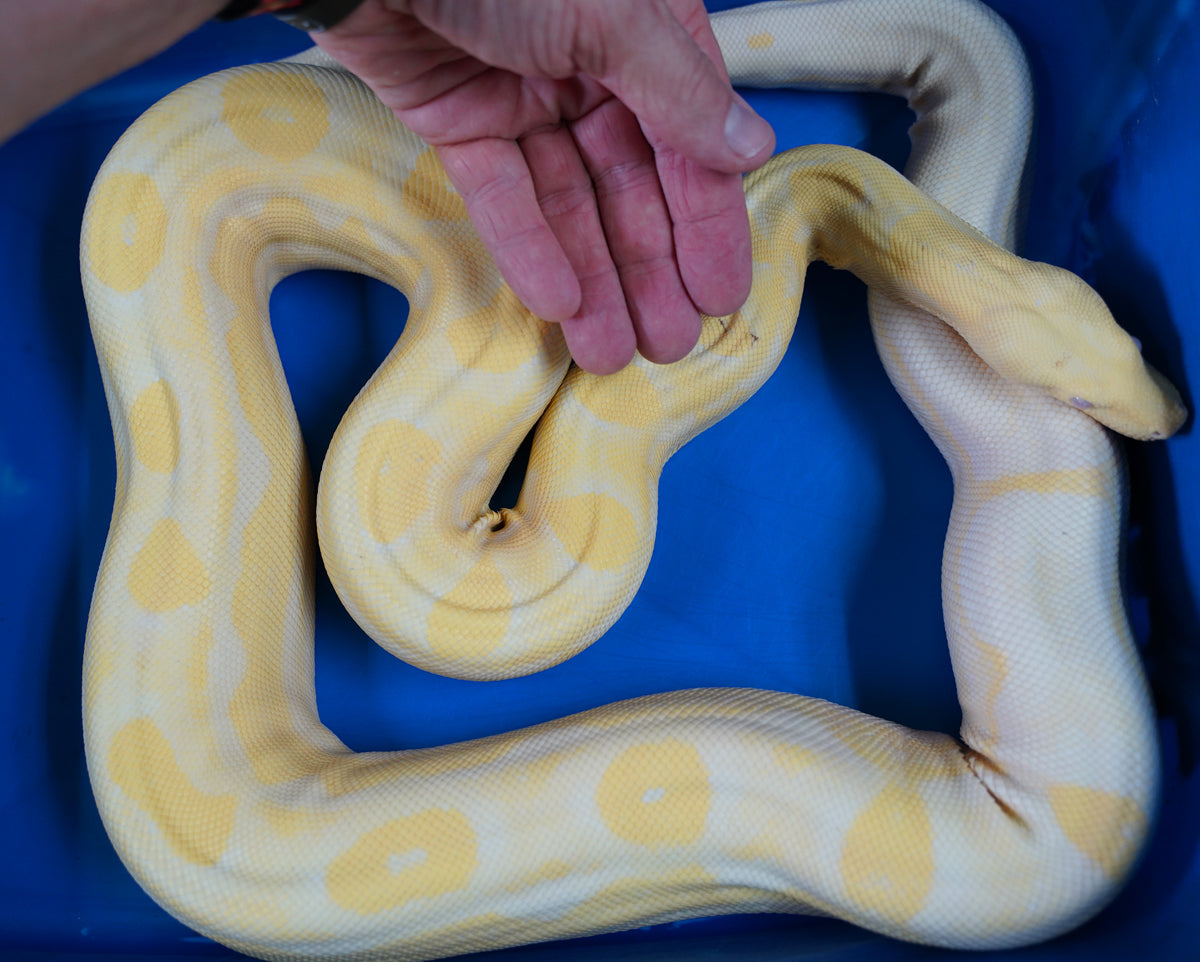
(667, 69)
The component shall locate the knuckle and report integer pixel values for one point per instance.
(567, 202)
(629, 176)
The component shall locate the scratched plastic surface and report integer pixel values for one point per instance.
(799, 540)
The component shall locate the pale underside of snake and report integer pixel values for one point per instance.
(244, 817)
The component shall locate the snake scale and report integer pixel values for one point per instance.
(248, 820)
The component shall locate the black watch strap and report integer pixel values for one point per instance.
(309, 15)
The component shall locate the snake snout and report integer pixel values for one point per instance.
(1084, 358)
(1140, 403)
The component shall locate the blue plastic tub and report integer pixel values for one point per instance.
(799, 541)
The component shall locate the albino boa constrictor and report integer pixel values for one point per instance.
(244, 817)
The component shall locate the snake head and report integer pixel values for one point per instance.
(1059, 337)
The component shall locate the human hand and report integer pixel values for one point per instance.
(597, 145)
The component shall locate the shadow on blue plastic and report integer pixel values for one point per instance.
(799, 542)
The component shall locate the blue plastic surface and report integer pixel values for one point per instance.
(799, 540)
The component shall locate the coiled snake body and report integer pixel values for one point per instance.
(247, 819)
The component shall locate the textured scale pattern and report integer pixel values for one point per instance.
(247, 819)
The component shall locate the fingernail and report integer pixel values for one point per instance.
(745, 131)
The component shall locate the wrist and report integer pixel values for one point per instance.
(52, 49)
(309, 15)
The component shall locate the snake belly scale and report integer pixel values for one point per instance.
(247, 819)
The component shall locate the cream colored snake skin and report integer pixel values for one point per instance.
(244, 817)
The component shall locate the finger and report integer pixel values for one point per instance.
(708, 208)
(600, 334)
(676, 84)
(711, 232)
(638, 228)
(494, 181)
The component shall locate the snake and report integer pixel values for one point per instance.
(244, 817)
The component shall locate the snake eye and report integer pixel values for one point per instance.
(1082, 404)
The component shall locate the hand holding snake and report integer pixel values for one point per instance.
(610, 201)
